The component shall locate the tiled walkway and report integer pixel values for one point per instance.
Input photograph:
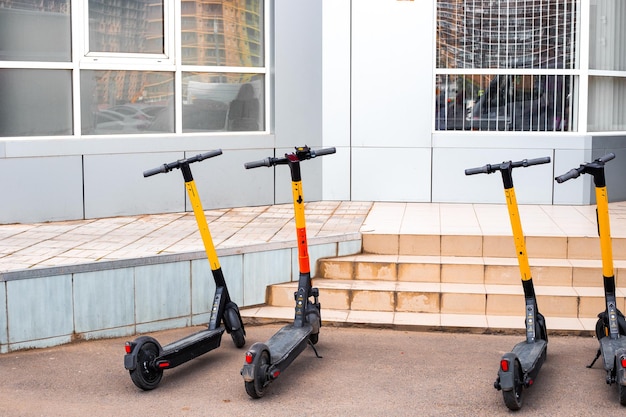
(44, 245)
(41, 245)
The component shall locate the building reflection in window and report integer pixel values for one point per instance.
(126, 102)
(223, 102)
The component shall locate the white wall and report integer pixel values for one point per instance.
(391, 105)
(336, 61)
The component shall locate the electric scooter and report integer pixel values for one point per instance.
(264, 362)
(611, 325)
(145, 359)
(519, 368)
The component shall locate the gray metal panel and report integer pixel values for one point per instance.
(162, 292)
(223, 181)
(39, 308)
(4, 337)
(115, 186)
(103, 300)
(298, 73)
(615, 170)
(41, 189)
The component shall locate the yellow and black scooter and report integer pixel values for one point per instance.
(264, 362)
(520, 367)
(611, 325)
(145, 359)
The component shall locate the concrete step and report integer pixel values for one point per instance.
(468, 270)
(448, 298)
(560, 247)
(422, 321)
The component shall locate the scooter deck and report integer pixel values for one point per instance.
(530, 353)
(192, 346)
(608, 347)
(288, 341)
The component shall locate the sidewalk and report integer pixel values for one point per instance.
(44, 245)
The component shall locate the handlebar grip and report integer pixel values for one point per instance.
(572, 173)
(536, 161)
(207, 155)
(267, 162)
(324, 151)
(158, 170)
(480, 170)
(607, 157)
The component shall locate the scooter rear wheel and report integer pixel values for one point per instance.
(513, 398)
(256, 388)
(145, 375)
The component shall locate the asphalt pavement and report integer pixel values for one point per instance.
(363, 372)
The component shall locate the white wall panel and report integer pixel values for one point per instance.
(391, 174)
(392, 70)
(533, 185)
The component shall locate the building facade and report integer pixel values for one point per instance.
(409, 92)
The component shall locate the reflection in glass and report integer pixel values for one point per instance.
(504, 102)
(35, 102)
(607, 101)
(33, 30)
(506, 34)
(220, 101)
(126, 26)
(607, 36)
(123, 102)
(222, 33)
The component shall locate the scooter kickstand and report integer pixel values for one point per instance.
(315, 350)
(594, 359)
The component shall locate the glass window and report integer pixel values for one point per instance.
(222, 33)
(35, 102)
(527, 41)
(223, 102)
(126, 26)
(607, 98)
(34, 30)
(607, 38)
(126, 102)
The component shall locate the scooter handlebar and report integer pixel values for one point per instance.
(490, 168)
(572, 173)
(575, 172)
(322, 152)
(480, 170)
(267, 162)
(301, 154)
(177, 164)
(606, 158)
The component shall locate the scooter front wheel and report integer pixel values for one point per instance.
(146, 376)
(256, 388)
(513, 398)
(239, 338)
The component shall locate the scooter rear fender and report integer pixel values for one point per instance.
(506, 378)
(620, 376)
(247, 372)
(130, 359)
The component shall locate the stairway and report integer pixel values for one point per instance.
(470, 282)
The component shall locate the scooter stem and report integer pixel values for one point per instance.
(298, 206)
(203, 226)
(604, 229)
(518, 234)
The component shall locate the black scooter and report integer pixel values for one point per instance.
(611, 325)
(264, 362)
(520, 367)
(145, 359)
